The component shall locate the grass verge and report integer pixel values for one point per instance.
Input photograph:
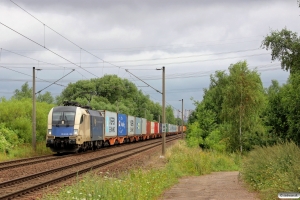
(149, 184)
(271, 170)
(25, 151)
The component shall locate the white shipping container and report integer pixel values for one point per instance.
(131, 125)
(170, 128)
(111, 119)
(144, 126)
(152, 127)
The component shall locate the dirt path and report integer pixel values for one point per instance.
(214, 186)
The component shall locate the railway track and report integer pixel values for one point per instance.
(29, 161)
(40, 159)
(21, 186)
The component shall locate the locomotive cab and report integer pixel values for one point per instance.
(63, 125)
(73, 128)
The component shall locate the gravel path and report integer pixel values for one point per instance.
(214, 186)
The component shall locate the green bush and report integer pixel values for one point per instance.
(8, 138)
(274, 169)
(17, 116)
(214, 141)
(193, 137)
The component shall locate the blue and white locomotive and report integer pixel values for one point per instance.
(73, 128)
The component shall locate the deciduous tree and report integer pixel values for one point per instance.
(285, 47)
(243, 103)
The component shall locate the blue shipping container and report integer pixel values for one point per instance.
(122, 125)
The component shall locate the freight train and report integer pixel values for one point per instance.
(75, 128)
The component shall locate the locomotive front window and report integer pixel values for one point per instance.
(63, 118)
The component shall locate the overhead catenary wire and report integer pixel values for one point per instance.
(64, 37)
(143, 81)
(178, 57)
(33, 59)
(31, 76)
(55, 81)
(267, 67)
(194, 61)
(186, 62)
(40, 61)
(189, 56)
(47, 49)
(151, 87)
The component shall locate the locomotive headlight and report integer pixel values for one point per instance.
(49, 131)
(75, 131)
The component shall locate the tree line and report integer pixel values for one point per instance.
(107, 93)
(237, 113)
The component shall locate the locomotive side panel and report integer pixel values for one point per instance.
(96, 125)
(83, 127)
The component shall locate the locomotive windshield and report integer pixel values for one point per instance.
(63, 118)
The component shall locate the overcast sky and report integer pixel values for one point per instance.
(191, 38)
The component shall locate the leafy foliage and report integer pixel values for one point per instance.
(17, 116)
(271, 170)
(8, 138)
(25, 92)
(115, 94)
(238, 112)
(290, 101)
(243, 103)
(276, 113)
(230, 112)
(47, 97)
(285, 46)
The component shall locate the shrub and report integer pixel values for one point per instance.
(8, 138)
(17, 115)
(274, 169)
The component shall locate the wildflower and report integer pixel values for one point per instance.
(68, 191)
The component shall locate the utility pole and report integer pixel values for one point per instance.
(33, 111)
(182, 119)
(163, 112)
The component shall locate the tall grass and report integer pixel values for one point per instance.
(149, 184)
(271, 170)
(25, 151)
